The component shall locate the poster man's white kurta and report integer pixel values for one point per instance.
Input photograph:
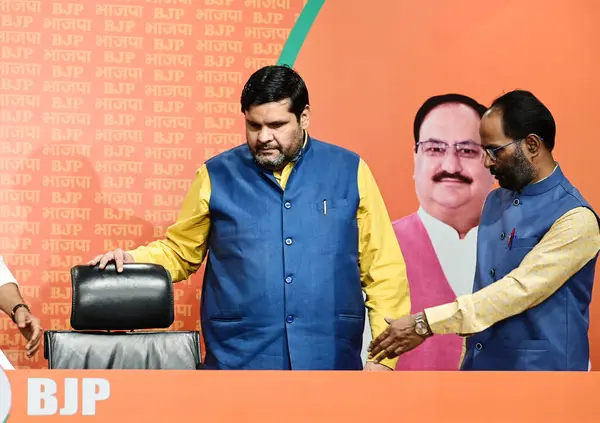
(5, 396)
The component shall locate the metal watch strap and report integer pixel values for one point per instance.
(420, 318)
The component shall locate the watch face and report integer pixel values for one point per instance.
(420, 329)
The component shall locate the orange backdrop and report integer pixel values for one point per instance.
(108, 107)
(370, 65)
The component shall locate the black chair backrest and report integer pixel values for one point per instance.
(139, 298)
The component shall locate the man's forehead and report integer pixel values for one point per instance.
(491, 123)
(269, 112)
(447, 110)
(281, 105)
(453, 122)
(491, 131)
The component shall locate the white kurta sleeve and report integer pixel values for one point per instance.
(5, 274)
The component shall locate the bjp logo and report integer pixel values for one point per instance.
(5, 396)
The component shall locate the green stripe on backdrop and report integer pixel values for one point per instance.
(299, 32)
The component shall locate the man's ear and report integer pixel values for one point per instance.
(305, 118)
(534, 144)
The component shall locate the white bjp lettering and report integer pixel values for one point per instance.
(42, 401)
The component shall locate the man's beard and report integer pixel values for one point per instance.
(278, 158)
(519, 172)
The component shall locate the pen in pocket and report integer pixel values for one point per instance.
(511, 238)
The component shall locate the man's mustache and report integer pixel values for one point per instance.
(458, 176)
(267, 147)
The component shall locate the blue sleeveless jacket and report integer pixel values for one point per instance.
(282, 285)
(554, 334)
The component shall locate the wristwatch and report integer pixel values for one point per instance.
(15, 308)
(421, 325)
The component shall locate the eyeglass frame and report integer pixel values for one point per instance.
(491, 152)
(454, 146)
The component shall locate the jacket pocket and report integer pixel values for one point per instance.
(224, 318)
(333, 203)
(350, 316)
(525, 344)
(529, 242)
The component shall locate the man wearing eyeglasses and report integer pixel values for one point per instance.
(538, 244)
(439, 241)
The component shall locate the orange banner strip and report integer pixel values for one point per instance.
(221, 396)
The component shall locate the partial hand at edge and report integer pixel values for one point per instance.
(376, 367)
(31, 329)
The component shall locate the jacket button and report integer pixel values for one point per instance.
(502, 235)
(288, 279)
(288, 241)
(289, 319)
(516, 202)
(492, 272)
(479, 346)
(287, 205)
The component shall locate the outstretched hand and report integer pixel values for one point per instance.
(398, 338)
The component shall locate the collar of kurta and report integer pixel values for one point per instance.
(545, 184)
(305, 147)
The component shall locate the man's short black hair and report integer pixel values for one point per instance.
(272, 84)
(524, 114)
(435, 101)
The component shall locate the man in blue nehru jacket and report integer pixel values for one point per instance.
(537, 248)
(295, 229)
